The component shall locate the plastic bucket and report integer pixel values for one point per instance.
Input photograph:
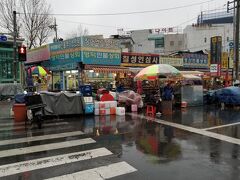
(20, 112)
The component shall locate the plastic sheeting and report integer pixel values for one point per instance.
(193, 95)
(10, 90)
(229, 95)
(62, 103)
(130, 97)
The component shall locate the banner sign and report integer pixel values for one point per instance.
(191, 60)
(174, 61)
(139, 59)
(101, 58)
(38, 54)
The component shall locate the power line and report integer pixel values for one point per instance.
(131, 13)
(89, 24)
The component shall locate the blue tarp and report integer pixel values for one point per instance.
(229, 95)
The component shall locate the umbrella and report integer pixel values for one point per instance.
(39, 70)
(154, 71)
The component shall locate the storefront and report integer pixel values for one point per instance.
(84, 60)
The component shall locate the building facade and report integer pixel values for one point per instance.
(198, 36)
(6, 60)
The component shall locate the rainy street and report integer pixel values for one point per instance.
(193, 143)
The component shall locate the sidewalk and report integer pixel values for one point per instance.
(5, 107)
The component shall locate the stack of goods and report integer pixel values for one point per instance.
(108, 108)
(89, 106)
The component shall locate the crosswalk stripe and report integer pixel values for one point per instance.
(45, 147)
(12, 123)
(40, 138)
(9, 134)
(41, 163)
(22, 127)
(100, 173)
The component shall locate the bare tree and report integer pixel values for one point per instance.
(6, 14)
(80, 31)
(34, 17)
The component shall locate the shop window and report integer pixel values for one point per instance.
(159, 43)
(171, 43)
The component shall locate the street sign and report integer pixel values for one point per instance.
(3, 38)
(215, 69)
(231, 44)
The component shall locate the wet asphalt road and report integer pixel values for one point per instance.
(150, 149)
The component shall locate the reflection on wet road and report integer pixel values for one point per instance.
(124, 147)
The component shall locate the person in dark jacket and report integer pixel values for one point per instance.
(167, 92)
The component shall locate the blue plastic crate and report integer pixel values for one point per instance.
(89, 108)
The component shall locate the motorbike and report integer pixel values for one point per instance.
(35, 109)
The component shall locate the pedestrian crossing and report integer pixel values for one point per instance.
(68, 149)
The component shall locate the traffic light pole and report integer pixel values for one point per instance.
(15, 47)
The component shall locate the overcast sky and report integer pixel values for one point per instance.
(169, 18)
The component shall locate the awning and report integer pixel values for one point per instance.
(107, 69)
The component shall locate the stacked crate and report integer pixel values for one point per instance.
(89, 106)
(108, 108)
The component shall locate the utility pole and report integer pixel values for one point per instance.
(236, 43)
(54, 27)
(15, 47)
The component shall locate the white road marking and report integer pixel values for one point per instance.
(45, 147)
(25, 166)
(31, 131)
(222, 126)
(12, 123)
(40, 138)
(15, 128)
(100, 173)
(193, 130)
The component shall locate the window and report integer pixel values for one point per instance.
(139, 45)
(205, 39)
(171, 43)
(227, 39)
(179, 43)
(159, 43)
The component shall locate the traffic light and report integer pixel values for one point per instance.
(22, 53)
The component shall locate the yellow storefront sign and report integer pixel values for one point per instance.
(224, 60)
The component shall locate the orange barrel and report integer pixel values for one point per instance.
(20, 112)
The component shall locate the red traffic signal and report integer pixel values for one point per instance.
(22, 53)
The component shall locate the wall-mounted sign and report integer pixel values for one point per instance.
(174, 61)
(3, 38)
(38, 54)
(215, 69)
(102, 58)
(191, 60)
(139, 59)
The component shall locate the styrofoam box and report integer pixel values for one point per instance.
(112, 104)
(88, 99)
(134, 108)
(101, 105)
(120, 111)
(96, 112)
